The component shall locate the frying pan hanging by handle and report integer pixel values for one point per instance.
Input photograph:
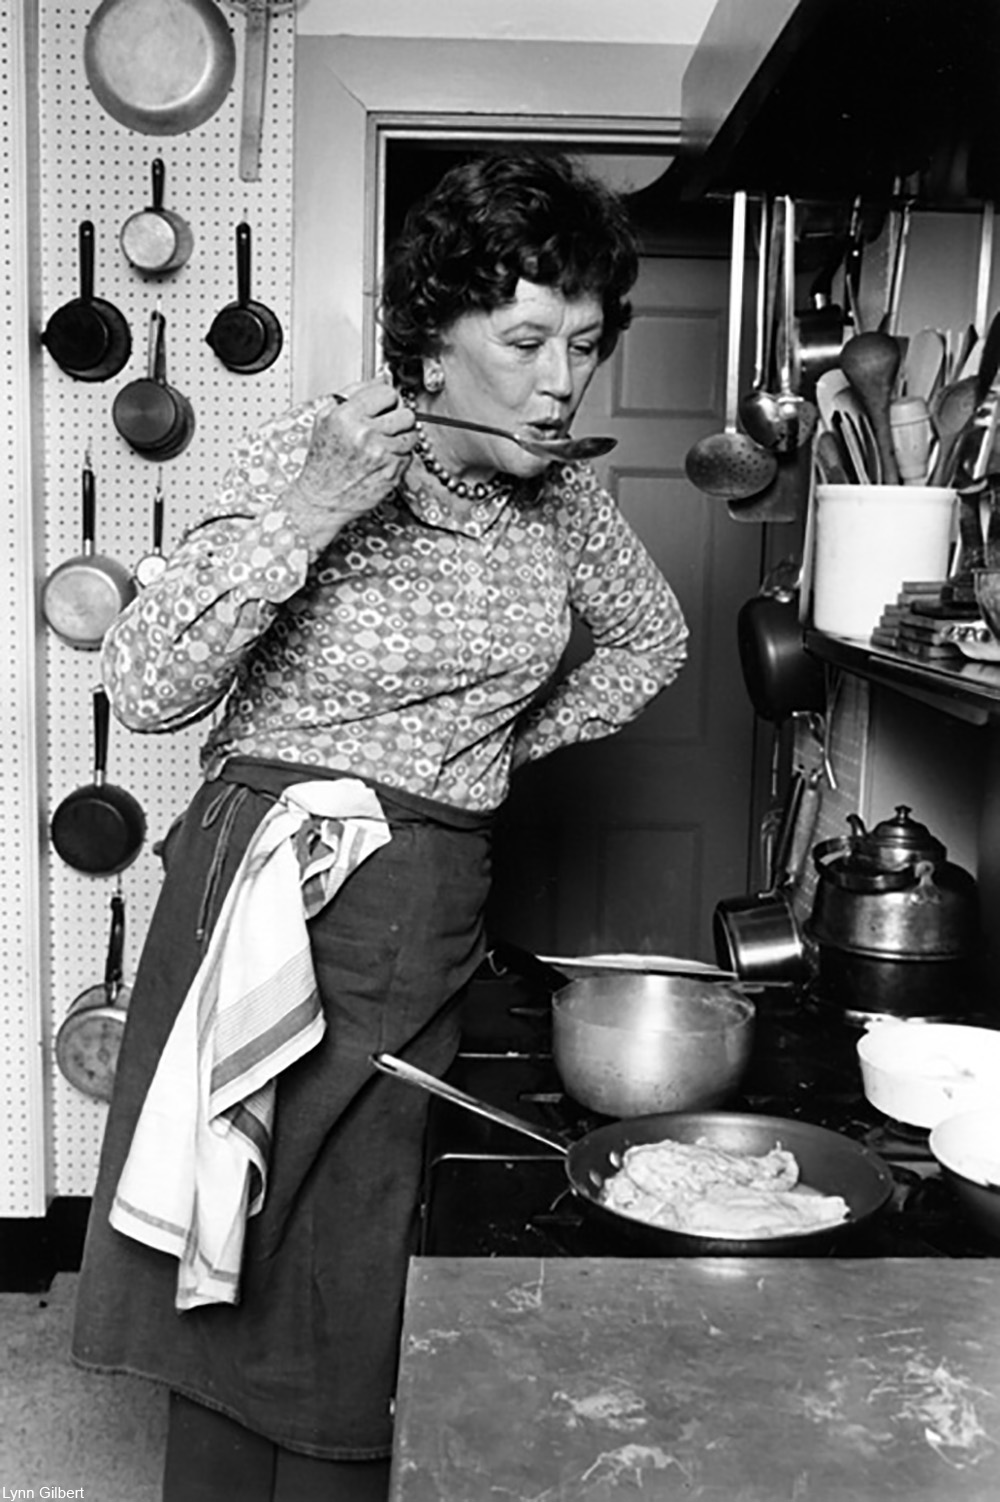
(245, 335)
(157, 240)
(160, 67)
(84, 594)
(89, 1039)
(99, 828)
(88, 337)
(112, 991)
(154, 418)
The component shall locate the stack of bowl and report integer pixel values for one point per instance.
(945, 1078)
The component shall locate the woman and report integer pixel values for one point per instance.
(379, 601)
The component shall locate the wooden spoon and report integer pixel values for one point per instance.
(951, 412)
(871, 363)
(924, 363)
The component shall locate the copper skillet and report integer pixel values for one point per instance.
(829, 1163)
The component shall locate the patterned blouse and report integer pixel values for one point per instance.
(419, 649)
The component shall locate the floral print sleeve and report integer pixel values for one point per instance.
(415, 647)
(639, 633)
(174, 652)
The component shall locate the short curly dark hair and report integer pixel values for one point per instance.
(490, 222)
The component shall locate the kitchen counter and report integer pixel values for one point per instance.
(593, 1379)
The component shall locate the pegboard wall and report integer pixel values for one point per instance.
(22, 1119)
(91, 167)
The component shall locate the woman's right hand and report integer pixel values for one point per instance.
(360, 448)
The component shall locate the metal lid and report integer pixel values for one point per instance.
(904, 838)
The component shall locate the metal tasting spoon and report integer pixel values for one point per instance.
(543, 448)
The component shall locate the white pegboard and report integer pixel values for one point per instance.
(22, 1121)
(93, 168)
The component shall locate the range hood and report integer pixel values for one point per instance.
(828, 99)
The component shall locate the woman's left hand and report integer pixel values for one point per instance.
(359, 450)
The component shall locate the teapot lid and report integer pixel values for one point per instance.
(903, 836)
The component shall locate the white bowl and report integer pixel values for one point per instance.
(968, 1150)
(922, 1072)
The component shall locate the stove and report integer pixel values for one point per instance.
(489, 1191)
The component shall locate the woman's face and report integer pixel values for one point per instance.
(523, 366)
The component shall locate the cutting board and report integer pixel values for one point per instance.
(766, 1380)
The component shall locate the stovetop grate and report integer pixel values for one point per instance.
(491, 1192)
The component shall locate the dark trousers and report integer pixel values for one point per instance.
(210, 1458)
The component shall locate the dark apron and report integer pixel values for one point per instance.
(308, 1357)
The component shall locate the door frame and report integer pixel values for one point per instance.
(351, 91)
(596, 138)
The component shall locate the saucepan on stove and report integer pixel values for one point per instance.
(829, 1164)
(634, 1045)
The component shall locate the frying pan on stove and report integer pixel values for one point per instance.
(829, 1163)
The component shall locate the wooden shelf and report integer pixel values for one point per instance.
(969, 691)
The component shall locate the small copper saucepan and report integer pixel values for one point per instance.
(157, 240)
(154, 418)
(758, 936)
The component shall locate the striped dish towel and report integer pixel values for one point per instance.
(197, 1165)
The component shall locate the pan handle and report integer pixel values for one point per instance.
(114, 965)
(243, 264)
(102, 724)
(410, 1075)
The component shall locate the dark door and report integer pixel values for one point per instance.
(628, 843)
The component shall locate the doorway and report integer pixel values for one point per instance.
(626, 844)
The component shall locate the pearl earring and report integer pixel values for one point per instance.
(434, 378)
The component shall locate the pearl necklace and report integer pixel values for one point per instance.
(487, 490)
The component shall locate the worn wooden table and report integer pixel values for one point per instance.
(722, 1379)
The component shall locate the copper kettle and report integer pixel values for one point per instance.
(892, 893)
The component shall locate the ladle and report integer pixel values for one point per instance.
(758, 408)
(543, 448)
(796, 417)
(730, 465)
(871, 363)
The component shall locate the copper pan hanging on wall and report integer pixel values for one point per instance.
(160, 67)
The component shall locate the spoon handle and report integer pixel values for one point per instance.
(450, 422)
(737, 271)
(461, 422)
